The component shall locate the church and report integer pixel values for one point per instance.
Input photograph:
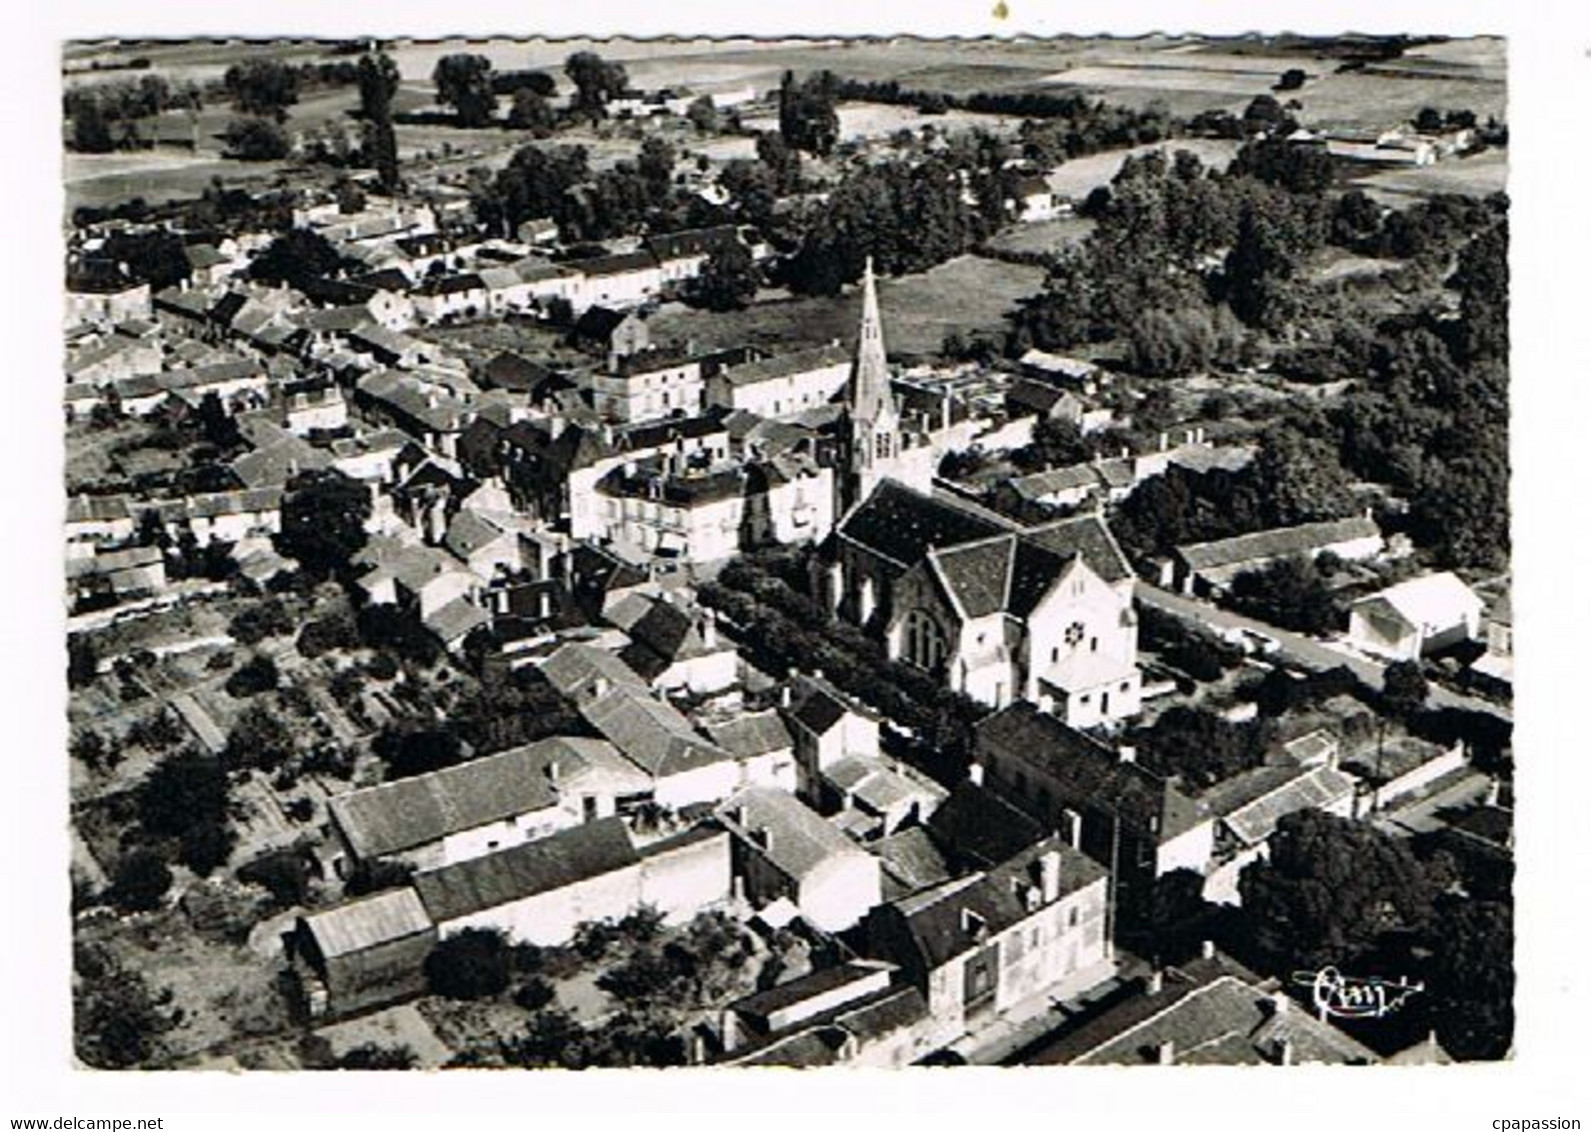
(875, 443)
(998, 611)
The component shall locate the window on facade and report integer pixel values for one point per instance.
(1074, 633)
(1093, 644)
(1071, 917)
(925, 641)
(1086, 698)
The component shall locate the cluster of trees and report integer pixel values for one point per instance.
(118, 1020)
(183, 804)
(93, 108)
(324, 512)
(596, 81)
(908, 217)
(1200, 747)
(262, 90)
(728, 280)
(1335, 892)
(783, 629)
(1290, 592)
(557, 182)
(807, 118)
(1295, 478)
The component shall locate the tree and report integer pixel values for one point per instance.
(117, 1021)
(324, 513)
(296, 257)
(1298, 479)
(259, 620)
(596, 82)
(264, 88)
(257, 674)
(1288, 592)
(1471, 979)
(702, 113)
(187, 797)
(531, 111)
(1292, 79)
(728, 280)
(142, 881)
(464, 82)
(378, 83)
(90, 131)
(1404, 688)
(256, 139)
(1265, 115)
(1330, 892)
(82, 660)
(260, 739)
(474, 963)
(373, 1056)
(409, 751)
(807, 118)
(655, 163)
(1202, 748)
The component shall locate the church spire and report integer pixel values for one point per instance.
(871, 398)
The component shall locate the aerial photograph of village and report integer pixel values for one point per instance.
(852, 552)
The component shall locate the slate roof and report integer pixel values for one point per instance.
(978, 573)
(1088, 537)
(1089, 773)
(1278, 542)
(534, 867)
(911, 861)
(96, 508)
(650, 733)
(410, 812)
(787, 365)
(818, 705)
(1070, 478)
(693, 242)
(1214, 1013)
(978, 828)
(576, 666)
(468, 533)
(748, 736)
(1252, 802)
(798, 841)
(936, 920)
(902, 525)
(514, 372)
(367, 922)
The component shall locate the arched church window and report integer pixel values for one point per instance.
(925, 641)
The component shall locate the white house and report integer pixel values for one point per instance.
(1416, 618)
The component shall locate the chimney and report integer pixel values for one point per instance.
(1207, 949)
(1166, 1052)
(1072, 828)
(552, 772)
(1279, 1003)
(944, 412)
(1127, 754)
(1155, 983)
(1050, 876)
(709, 629)
(1494, 790)
(599, 686)
(1165, 442)
(784, 696)
(763, 838)
(1284, 1051)
(729, 1027)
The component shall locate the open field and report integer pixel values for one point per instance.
(1188, 75)
(1077, 178)
(1479, 175)
(966, 294)
(1043, 235)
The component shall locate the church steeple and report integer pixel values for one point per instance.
(874, 422)
(870, 393)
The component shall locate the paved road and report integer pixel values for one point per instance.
(1419, 816)
(1301, 650)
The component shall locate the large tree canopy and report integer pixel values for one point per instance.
(464, 82)
(323, 521)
